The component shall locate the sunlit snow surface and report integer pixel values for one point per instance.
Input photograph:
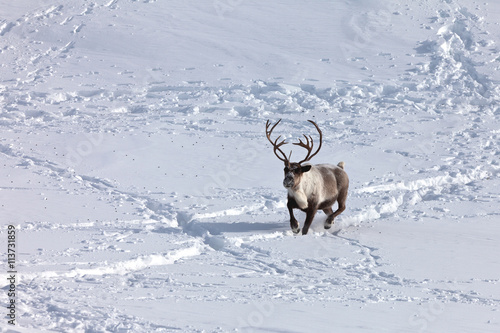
(146, 197)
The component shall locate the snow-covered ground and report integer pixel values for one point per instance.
(146, 198)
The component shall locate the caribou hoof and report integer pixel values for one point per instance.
(296, 231)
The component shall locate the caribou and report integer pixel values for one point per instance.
(311, 187)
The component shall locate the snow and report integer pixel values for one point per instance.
(146, 197)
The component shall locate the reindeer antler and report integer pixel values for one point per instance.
(309, 144)
(275, 144)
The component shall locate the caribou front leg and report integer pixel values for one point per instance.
(291, 204)
(310, 213)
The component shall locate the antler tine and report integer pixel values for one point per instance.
(309, 144)
(272, 128)
(305, 145)
(310, 147)
(320, 138)
(275, 144)
(277, 148)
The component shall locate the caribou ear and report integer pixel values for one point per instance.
(305, 168)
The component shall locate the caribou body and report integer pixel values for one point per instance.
(311, 187)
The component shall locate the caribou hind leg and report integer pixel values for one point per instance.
(331, 214)
(329, 217)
